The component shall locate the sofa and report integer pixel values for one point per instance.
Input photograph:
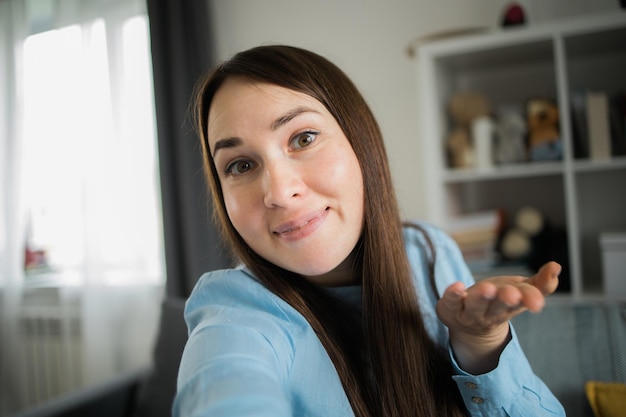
(568, 344)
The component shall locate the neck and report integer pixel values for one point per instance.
(348, 272)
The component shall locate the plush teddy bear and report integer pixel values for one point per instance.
(516, 242)
(533, 240)
(464, 108)
(544, 140)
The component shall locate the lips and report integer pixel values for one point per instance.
(302, 226)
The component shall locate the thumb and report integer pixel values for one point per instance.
(547, 278)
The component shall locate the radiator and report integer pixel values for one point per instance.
(69, 338)
(50, 346)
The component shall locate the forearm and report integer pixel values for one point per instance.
(479, 353)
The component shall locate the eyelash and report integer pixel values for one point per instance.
(312, 134)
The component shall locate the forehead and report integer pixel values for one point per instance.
(241, 103)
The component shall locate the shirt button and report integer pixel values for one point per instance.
(477, 400)
(471, 385)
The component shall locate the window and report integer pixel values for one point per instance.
(90, 172)
(81, 248)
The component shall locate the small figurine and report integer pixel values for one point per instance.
(464, 108)
(510, 136)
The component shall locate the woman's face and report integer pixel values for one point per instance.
(292, 184)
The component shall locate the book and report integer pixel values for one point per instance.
(617, 117)
(578, 111)
(477, 235)
(598, 126)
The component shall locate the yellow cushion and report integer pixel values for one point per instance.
(607, 399)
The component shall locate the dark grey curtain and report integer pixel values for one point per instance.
(181, 52)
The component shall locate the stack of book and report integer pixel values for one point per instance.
(477, 235)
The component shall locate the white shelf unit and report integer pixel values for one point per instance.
(508, 66)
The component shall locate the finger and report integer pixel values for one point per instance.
(508, 299)
(547, 278)
(478, 300)
(452, 299)
(533, 298)
(510, 295)
(520, 297)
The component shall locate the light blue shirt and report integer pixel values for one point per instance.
(250, 353)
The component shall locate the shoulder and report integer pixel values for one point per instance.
(449, 263)
(249, 350)
(236, 297)
(233, 319)
(425, 242)
(417, 234)
(233, 301)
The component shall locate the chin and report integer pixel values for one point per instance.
(334, 274)
(313, 272)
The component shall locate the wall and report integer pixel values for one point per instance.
(368, 39)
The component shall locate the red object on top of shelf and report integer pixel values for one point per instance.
(513, 15)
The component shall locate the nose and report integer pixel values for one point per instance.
(282, 184)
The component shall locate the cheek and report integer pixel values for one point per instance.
(239, 210)
(345, 171)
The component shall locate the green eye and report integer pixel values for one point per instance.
(304, 139)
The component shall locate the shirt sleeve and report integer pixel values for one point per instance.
(511, 389)
(238, 352)
(229, 371)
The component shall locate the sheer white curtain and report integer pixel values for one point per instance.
(80, 217)
(10, 215)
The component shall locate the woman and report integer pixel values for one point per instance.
(335, 310)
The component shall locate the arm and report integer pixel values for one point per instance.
(238, 353)
(229, 371)
(493, 374)
(477, 317)
(510, 388)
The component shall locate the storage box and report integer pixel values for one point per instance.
(613, 246)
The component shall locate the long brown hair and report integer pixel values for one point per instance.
(411, 376)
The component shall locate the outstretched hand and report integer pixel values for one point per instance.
(477, 317)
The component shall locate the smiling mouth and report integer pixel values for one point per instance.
(288, 229)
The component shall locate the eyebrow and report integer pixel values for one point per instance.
(276, 124)
(226, 143)
(290, 115)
